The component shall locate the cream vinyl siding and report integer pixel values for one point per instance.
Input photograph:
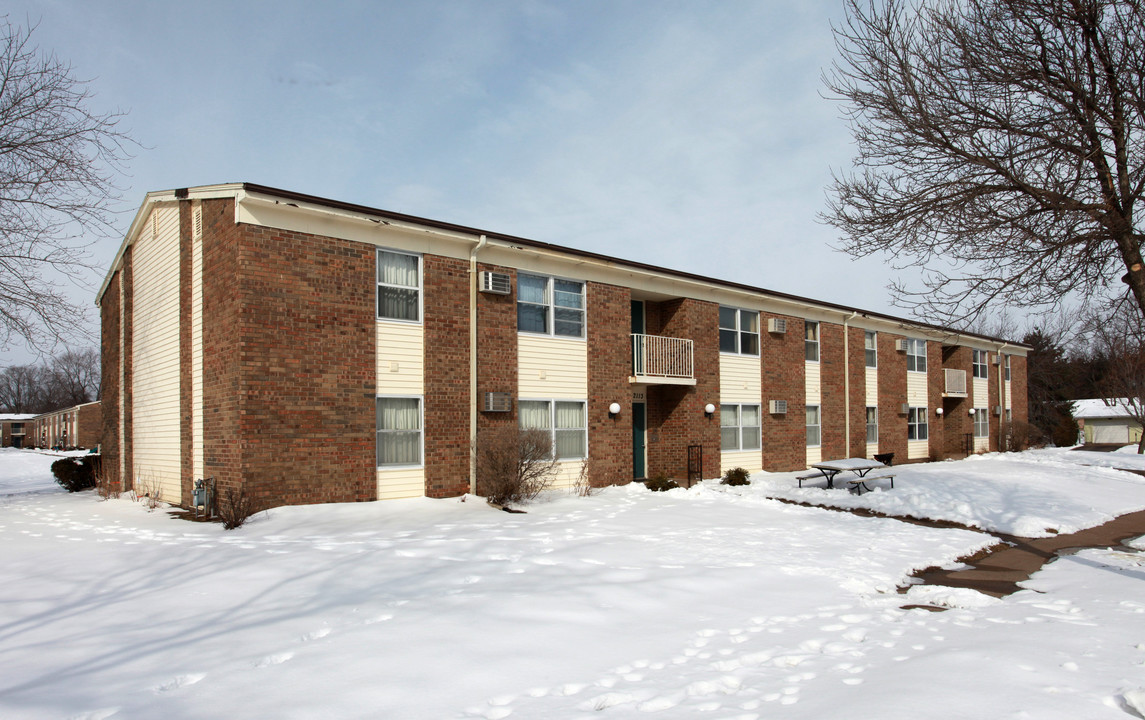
(812, 383)
(981, 390)
(872, 449)
(549, 367)
(197, 463)
(155, 355)
(872, 387)
(401, 483)
(916, 390)
(750, 460)
(401, 358)
(567, 473)
(740, 380)
(918, 449)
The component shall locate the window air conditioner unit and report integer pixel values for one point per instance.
(900, 345)
(777, 407)
(996, 359)
(777, 326)
(905, 409)
(497, 402)
(495, 282)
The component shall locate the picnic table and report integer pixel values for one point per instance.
(830, 469)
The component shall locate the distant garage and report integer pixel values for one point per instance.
(1104, 423)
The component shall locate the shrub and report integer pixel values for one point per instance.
(75, 474)
(593, 478)
(1020, 435)
(514, 465)
(736, 476)
(234, 508)
(660, 482)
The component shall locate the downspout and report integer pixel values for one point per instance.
(1001, 395)
(473, 280)
(847, 381)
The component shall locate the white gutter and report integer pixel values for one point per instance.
(473, 280)
(847, 381)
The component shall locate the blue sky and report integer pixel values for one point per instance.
(691, 135)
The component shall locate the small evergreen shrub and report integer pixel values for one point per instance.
(75, 474)
(736, 476)
(660, 482)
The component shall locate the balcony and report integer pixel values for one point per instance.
(660, 360)
(955, 383)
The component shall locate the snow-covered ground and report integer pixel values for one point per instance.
(712, 602)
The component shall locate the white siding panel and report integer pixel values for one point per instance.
(917, 449)
(916, 389)
(740, 380)
(750, 460)
(155, 354)
(872, 386)
(401, 358)
(566, 474)
(872, 450)
(551, 367)
(981, 444)
(401, 483)
(812, 385)
(814, 455)
(981, 390)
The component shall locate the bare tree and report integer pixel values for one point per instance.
(22, 389)
(514, 465)
(999, 147)
(75, 377)
(1119, 336)
(57, 160)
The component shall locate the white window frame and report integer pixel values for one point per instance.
(871, 348)
(915, 355)
(817, 425)
(1007, 363)
(739, 331)
(736, 411)
(379, 285)
(917, 424)
(872, 437)
(420, 432)
(551, 306)
(980, 360)
(809, 343)
(552, 428)
(981, 422)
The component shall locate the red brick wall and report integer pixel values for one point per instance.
(956, 420)
(892, 394)
(186, 411)
(831, 390)
(676, 412)
(497, 348)
(609, 365)
(857, 446)
(783, 366)
(109, 312)
(935, 384)
(127, 411)
(995, 372)
(89, 425)
(447, 446)
(1018, 389)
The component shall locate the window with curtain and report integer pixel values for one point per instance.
(814, 436)
(739, 331)
(550, 306)
(870, 344)
(739, 427)
(915, 356)
(981, 423)
(811, 341)
(916, 424)
(980, 362)
(565, 422)
(399, 286)
(872, 425)
(1007, 361)
(399, 431)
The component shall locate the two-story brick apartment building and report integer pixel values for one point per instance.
(310, 350)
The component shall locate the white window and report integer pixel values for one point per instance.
(564, 420)
(981, 363)
(399, 286)
(813, 428)
(916, 427)
(739, 427)
(739, 331)
(811, 344)
(916, 356)
(870, 343)
(872, 425)
(550, 306)
(1007, 367)
(981, 423)
(399, 431)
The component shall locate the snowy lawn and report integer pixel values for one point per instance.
(712, 602)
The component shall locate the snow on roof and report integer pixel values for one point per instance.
(1097, 408)
(15, 417)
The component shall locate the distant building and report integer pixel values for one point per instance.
(13, 429)
(308, 350)
(80, 426)
(1106, 424)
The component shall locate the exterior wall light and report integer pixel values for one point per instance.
(938, 411)
(709, 410)
(972, 411)
(613, 410)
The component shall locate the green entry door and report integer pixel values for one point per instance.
(638, 425)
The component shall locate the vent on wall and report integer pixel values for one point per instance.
(197, 222)
(777, 326)
(495, 282)
(998, 410)
(777, 407)
(905, 409)
(900, 345)
(498, 402)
